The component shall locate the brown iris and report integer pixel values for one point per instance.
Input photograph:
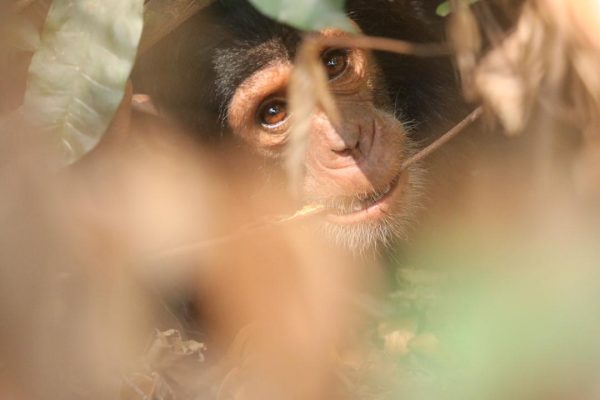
(273, 113)
(335, 62)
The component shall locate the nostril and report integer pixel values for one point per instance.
(349, 150)
(344, 153)
(346, 143)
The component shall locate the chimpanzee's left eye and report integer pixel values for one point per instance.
(335, 62)
(272, 113)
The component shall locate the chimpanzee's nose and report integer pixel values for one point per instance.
(342, 141)
(343, 146)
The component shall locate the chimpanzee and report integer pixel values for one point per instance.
(224, 74)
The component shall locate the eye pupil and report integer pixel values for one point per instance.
(273, 110)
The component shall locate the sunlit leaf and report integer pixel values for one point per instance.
(444, 9)
(78, 75)
(307, 14)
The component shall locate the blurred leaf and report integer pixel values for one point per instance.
(307, 14)
(77, 77)
(308, 89)
(512, 320)
(444, 9)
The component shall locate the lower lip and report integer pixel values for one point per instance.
(373, 212)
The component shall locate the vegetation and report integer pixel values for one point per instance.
(494, 297)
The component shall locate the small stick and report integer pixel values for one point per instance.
(305, 212)
(386, 44)
(445, 138)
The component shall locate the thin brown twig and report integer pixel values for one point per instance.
(386, 44)
(303, 213)
(445, 138)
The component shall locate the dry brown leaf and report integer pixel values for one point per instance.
(464, 34)
(549, 65)
(169, 348)
(550, 57)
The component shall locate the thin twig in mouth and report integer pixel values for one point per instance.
(445, 138)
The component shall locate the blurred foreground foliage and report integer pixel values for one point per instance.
(78, 74)
(477, 311)
(495, 316)
(81, 61)
(307, 15)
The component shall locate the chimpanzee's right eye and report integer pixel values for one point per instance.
(272, 113)
(335, 62)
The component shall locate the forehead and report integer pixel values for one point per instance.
(236, 64)
(254, 43)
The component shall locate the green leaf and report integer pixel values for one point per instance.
(307, 14)
(78, 75)
(444, 9)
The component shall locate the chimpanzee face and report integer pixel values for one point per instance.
(228, 69)
(354, 170)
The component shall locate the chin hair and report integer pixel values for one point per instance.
(374, 237)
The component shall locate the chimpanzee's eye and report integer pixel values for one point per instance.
(335, 62)
(272, 113)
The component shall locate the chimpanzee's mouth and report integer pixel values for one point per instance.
(368, 206)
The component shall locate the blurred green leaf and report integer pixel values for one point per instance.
(307, 14)
(444, 9)
(78, 75)
(510, 319)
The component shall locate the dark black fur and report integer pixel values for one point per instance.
(194, 72)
